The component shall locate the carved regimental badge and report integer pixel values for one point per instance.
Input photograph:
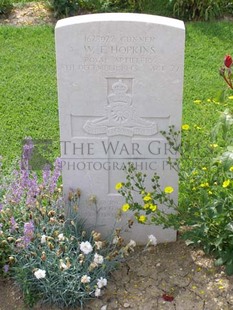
(121, 117)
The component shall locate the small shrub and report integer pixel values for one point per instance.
(5, 6)
(198, 9)
(64, 8)
(112, 5)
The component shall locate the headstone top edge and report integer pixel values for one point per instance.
(121, 17)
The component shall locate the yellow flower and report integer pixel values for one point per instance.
(231, 169)
(142, 219)
(168, 189)
(147, 197)
(213, 145)
(118, 186)
(206, 184)
(204, 168)
(146, 206)
(210, 193)
(153, 208)
(125, 207)
(226, 183)
(230, 97)
(197, 101)
(185, 127)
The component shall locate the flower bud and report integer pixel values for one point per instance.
(228, 61)
(11, 260)
(51, 213)
(70, 196)
(96, 236)
(11, 239)
(4, 243)
(51, 246)
(78, 192)
(43, 256)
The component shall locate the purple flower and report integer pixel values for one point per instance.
(56, 174)
(13, 224)
(27, 153)
(1, 207)
(5, 268)
(33, 190)
(28, 233)
(46, 174)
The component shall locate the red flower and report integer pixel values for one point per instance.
(168, 297)
(228, 61)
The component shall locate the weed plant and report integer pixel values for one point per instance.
(206, 182)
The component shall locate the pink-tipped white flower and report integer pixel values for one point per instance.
(86, 247)
(101, 282)
(40, 274)
(85, 279)
(98, 259)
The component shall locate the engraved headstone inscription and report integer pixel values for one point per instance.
(120, 80)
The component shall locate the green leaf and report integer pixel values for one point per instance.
(220, 96)
(219, 262)
(229, 226)
(229, 269)
(188, 242)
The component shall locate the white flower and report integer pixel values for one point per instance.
(97, 292)
(85, 279)
(131, 244)
(98, 259)
(43, 239)
(86, 247)
(101, 282)
(152, 240)
(40, 274)
(115, 240)
(61, 237)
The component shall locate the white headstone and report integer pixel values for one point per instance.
(120, 80)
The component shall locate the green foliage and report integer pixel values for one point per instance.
(198, 9)
(158, 7)
(64, 8)
(5, 6)
(204, 212)
(112, 5)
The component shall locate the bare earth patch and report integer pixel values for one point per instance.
(33, 13)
